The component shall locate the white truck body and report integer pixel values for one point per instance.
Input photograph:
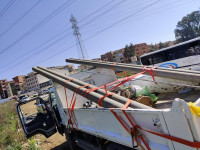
(176, 121)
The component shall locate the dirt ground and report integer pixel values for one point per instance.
(55, 142)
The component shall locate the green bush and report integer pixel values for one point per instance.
(32, 145)
(14, 146)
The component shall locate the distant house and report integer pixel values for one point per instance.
(141, 49)
(107, 56)
(120, 56)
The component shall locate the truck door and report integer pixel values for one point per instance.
(36, 118)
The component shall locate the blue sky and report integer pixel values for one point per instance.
(31, 35)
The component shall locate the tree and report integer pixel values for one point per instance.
(189, 27)
(132, 51)
(152, 47)
(129, 51)
(126, 51)
(161, 45)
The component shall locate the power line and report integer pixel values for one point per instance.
(96, 11)
(58, 34)
(70, 27)
(123, 19)
(41, 23)
(86, 39)
(95, 34)
(10, 3)
(46, 59)
(67, 29)
(161, 9)
(22, 60)
(34, 54)
(76, 28)
(18, 20)
(105, 12)
(150, 12)
(34, 49)
(114, 15)
(59, 52)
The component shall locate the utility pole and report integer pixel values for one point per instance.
(77, 34)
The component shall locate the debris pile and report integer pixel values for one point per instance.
(137, 93)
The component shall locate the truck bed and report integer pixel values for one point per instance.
(165, 100)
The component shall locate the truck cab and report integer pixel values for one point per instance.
(40, 116)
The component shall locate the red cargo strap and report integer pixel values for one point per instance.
(121, 122)
(127, 104)
(134, 132)
(117, 72)
(74, 96)
(69, 121)
(83, 93)
(102, 98)
(173, 138)
(124, 80)
(136, 127)
(135, 75)
(150, 72)
(66, 91)
(91, 90)
(88, 91)
(72, 105)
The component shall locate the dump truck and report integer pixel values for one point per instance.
(84, 108)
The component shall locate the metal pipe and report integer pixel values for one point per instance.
(139, 66)
(161, 82)
(171, 73)
(116, 97)
(93, 96)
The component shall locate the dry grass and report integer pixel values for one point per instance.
(10, 127)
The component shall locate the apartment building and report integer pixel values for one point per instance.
(141, 49)
(3, 92)
(12, 88)
(20, 81)
(107, 56)
(118, 56)
(35, 81)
